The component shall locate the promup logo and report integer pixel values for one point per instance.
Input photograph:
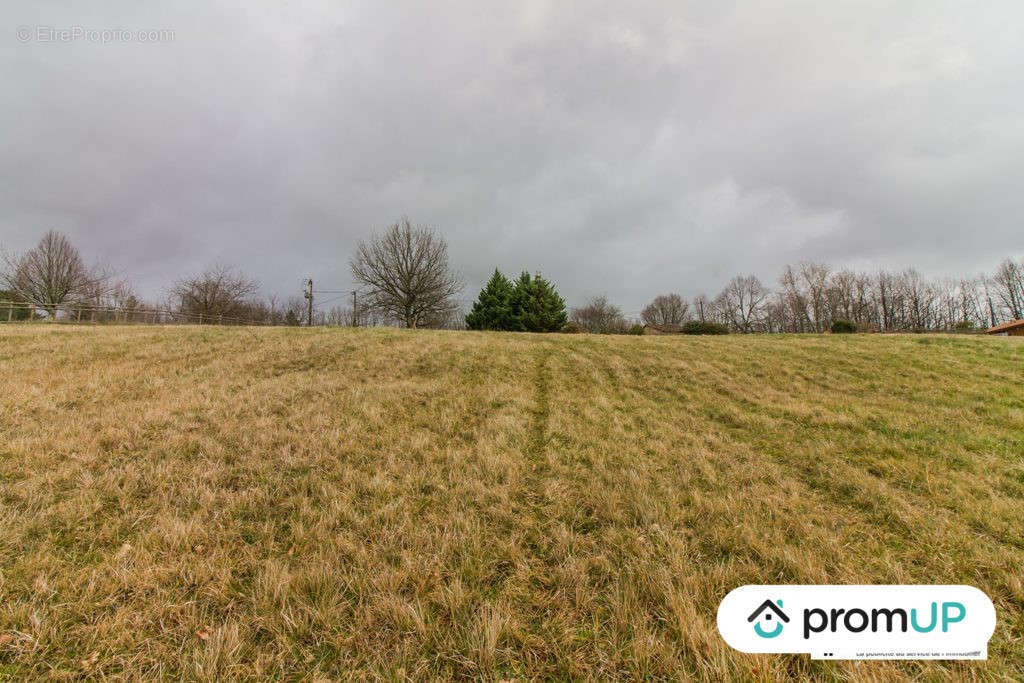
(766, 612)
(860, 622)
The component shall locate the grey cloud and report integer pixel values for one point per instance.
(621, 149)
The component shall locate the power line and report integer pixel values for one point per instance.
(338, 291)
(334, 298)
(339, 294)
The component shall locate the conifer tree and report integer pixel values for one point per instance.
(536, 306)
(493, 308)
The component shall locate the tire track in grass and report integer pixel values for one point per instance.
(535, 641)
(538, 467)
(541, 411)
(531, 498)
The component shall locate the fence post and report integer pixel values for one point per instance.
(10, 311)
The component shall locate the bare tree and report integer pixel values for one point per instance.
(600, 317)
(124, 299)
(665, 310)
(795, 300)
(407, 272)
(885, 284)
(293, 311)
(743, 302)
(776, 313)
(811, 296)
(220, 292)
(51, 274)
(920, 300)
(1008, 283)
(814, 277)
(702, 307)
(970, 306)
(989, 305)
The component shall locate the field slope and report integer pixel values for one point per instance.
(230, 503)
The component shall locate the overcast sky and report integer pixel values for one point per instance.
(620, 148)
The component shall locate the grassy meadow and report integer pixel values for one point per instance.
(225, 503)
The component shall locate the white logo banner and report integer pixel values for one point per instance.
(859, 622)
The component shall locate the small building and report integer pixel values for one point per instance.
(1014, 328)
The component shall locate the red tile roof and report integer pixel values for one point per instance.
(1006, 327)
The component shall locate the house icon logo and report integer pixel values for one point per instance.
(767, 612)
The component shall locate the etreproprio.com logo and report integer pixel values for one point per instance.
(859, 622)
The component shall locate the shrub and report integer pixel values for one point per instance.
(698, 327)
(964, 326)
(843, 327)
(636, 329)
(573, 327)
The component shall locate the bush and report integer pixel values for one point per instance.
(964, 326)
(636, 329)
(573, 328)
(843, 327)
(698, 327)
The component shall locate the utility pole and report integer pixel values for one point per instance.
(354, 309)
(309, 302)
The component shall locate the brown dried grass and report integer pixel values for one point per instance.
(246, 503)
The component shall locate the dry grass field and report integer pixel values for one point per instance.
(224, 503)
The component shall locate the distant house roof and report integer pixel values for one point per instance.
(1006, 327)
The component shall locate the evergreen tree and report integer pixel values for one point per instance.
(536, 306)
(493, 308)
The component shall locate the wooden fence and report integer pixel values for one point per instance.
(13, 312)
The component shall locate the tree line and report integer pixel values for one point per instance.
(813, 297)
(407, 280)
(809, 297)
(53, 277)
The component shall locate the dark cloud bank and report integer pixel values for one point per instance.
(625, 149)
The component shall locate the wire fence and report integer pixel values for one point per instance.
(15, 312)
